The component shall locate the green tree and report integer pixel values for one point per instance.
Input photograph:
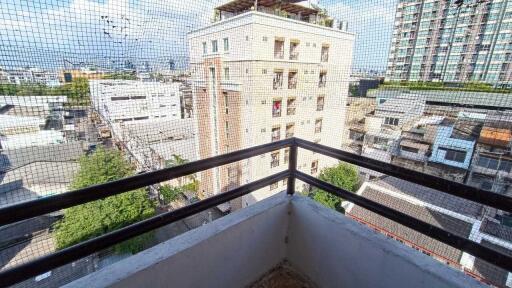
(170, 193)
(95, 218)
(344, 176)
(354, 90)
(79, 89)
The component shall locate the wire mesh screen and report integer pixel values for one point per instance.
(94, 91)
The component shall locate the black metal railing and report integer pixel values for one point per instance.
(26, 210)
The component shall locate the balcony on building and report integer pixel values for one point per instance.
(276, 134)
(322, 81)
(292, 80)
(276, 108)
(320, 103)
(324, 53)
(277, 80)
(294, 49)
(290, 130)
(290, 106)
(279, 48)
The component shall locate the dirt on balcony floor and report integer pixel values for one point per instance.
(283, 276)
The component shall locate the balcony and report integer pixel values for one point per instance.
(324, 54)
(290, 107)
(294, 50)
(276, 108)
(320, 103)
(290, 129)
(292, 80)
(277, 81)
(322, 81)
(286, 230)
(279, 49)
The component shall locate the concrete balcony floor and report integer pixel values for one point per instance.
(321, 248)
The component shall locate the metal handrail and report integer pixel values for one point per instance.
(43, 206)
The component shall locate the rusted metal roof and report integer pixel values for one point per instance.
(495, 136)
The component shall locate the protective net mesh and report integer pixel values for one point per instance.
(94, 91)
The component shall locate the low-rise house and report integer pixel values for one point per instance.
(456, 215)
(454, 144)
(492, 162)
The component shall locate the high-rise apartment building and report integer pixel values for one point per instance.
(444, 40)
(263, 72)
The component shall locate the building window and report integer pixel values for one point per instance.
(322, 81)
(391, 121)
(409, 149)
(274, 186)
(276, 134)
(226, 105)
(489, 163)
(276, 108)
(232, 176)
(292, 80)
(278, 80)
(320, 103)
(205, 48)
(454, 155)
(227, 129)
(505, 165)
(279, 49)
(356, 136)
(290, 127)
(226, 73)
(226, 44)
(314, 167)
(325, 53)
(290, 106)
(286, 155)
(294, 50)
(274, 162)
(318, 125)
(215, 47)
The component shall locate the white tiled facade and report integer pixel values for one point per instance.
(250, 93)
(129, 101)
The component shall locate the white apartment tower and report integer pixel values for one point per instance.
(262, 72)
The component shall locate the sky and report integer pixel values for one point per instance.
(46, 33)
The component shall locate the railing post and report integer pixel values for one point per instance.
(292, 167)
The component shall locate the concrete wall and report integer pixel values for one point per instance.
(233, 251)
(331, 249)
(337, 252)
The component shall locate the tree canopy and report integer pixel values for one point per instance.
(77, 90)
(95, 218)
(344, 176)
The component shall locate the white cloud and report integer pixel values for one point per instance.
(114, 29)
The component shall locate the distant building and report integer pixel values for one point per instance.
(439, 40)
(67, 76)
(491, 167)
(29, 76)
(124, 101)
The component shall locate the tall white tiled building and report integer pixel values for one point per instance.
(440, 40)
(264, 74)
